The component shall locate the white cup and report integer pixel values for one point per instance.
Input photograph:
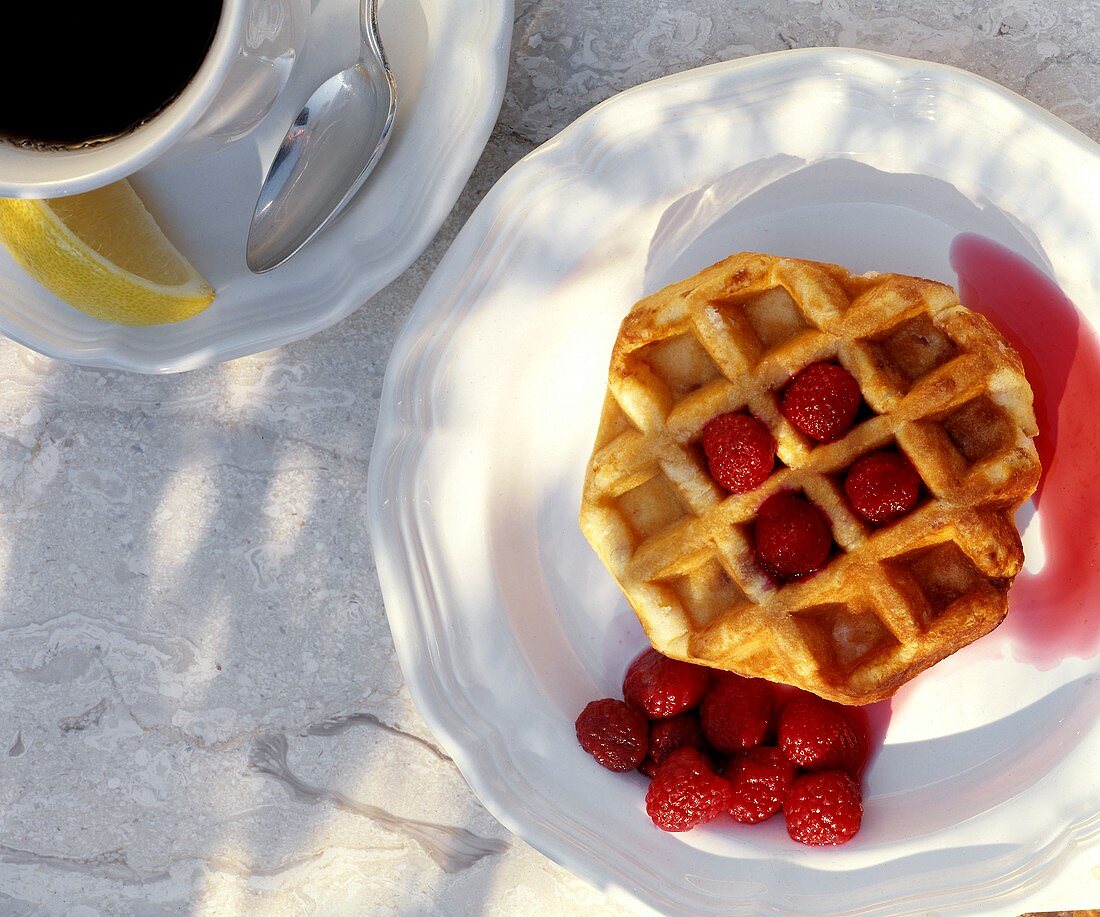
(250, 59)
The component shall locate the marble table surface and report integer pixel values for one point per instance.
(201, 711)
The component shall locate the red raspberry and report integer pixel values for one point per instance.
(685, 792)
(819, 735)
(822, 401)
(824, 808)
(665, 736)
(882, 486)
(663, 687)
(740, 451)
(792, 536)
(736, 713)
(614, 733)
(760, 779)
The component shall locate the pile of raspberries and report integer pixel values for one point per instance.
(715, 744)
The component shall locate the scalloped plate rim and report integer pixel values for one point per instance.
(405, 425)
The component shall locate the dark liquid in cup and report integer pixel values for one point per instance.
(73, 73)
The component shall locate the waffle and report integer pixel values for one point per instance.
(939, 383)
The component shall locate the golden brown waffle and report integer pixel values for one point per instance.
(941, 384)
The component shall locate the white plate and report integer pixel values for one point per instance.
(504, 620)
(450, 58)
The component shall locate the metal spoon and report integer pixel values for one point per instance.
(330, 149)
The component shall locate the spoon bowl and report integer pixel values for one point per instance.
(331, 147)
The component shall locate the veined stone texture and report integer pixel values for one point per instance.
(202, 712)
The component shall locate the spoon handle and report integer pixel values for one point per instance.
(368, 13)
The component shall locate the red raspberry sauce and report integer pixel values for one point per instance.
(1052, 614)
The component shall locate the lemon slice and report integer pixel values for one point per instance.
(103, 253)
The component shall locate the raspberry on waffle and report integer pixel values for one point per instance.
(939, 385)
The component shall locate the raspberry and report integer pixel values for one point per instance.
(736, 713)
(740, 451)
(760, 779)
(665, 736)
(614, 733)
(663, 687)
(792, 536)
(822, 401)
(824, 808)
(882, 486)
(685, 792)
(818, 735)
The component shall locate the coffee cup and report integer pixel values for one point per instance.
(247, 52)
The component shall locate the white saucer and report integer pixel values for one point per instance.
(451, 60)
